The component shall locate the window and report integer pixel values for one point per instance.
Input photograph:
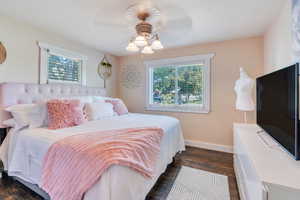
(180, 84)
(61, 66)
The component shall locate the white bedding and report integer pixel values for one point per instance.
(23, 153)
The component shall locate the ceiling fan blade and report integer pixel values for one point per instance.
(180, 24)
(176, 30)
(116, 22)
(172, 18)
(170, 21)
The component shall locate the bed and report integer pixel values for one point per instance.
(22, 152)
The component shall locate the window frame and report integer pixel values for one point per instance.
(177, 62)
(45, 49)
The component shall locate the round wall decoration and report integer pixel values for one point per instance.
(2, 53)
(131, 77)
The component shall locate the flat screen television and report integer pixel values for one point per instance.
(278, 107)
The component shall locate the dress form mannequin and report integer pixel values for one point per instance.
(243, 88)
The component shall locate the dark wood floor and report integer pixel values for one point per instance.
(212, 161)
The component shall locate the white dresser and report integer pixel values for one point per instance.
(263, 169)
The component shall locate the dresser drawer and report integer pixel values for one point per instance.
(252, 187)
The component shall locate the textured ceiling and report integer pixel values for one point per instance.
(102, 24)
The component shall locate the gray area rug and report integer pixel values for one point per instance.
(195, 184)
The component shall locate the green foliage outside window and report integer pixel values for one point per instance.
(180, 85)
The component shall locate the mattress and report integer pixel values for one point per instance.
(23, 153)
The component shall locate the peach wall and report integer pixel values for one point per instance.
(278, 41)
(215, 127)
(21, 65)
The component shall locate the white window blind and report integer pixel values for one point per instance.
(61, 66)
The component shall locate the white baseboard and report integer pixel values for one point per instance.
(209, 146)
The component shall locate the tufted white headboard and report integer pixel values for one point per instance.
(20, 93)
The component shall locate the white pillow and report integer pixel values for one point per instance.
(32, 115)
(101, 98)
(83, 99)
(98, 110)
(10, 123)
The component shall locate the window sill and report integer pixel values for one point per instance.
(63, 82)
(160, 109)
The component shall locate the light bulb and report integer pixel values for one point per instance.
(147, 50)
(140, 41)
(156, 45)
(132, 47)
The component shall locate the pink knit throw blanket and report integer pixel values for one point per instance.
(74, 164)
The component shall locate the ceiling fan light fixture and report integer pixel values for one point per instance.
(132, 47)
(145, 40)
(156, 45)
(140, 41)
(147, 50)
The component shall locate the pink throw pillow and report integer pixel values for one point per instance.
(119, 106)
(64, 113)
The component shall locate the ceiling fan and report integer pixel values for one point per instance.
(145, 23)
(145, 38)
